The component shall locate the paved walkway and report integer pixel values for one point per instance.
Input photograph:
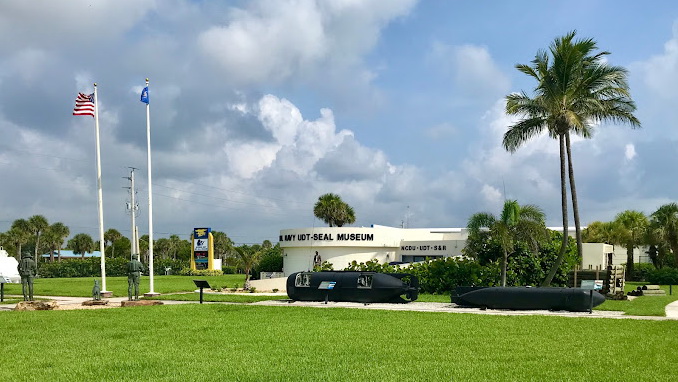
(66, 303)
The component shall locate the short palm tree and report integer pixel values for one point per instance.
(248, 258)
(333, 211)
(81, 244)
(576, 89)
(60, 232)
(516, 223)
(629, 230)
(665, 221)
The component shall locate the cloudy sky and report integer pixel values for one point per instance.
(259, 107)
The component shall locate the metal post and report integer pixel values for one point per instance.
(201, 295)
(133, 210)
(100, 202)
(2, 292)
(591, 302)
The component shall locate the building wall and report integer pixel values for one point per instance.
(342, 245)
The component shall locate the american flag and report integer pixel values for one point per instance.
(84, 104)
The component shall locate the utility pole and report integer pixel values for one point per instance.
(133, 207)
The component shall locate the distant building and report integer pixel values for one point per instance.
(304, 247)
(68, 254)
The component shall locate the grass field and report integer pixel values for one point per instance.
(258, 343)
(82, 286)
(210, 297)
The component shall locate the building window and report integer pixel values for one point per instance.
(302, 280)
(365, 281)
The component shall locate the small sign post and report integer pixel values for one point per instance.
(202, 284)
(327, 285)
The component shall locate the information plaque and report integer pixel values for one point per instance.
(327, 284)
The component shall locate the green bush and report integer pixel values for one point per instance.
(229, 269)
(91, 267)
(664, 276)
(87, 267)
(442, 276)
(372, 266)
(200, 272)
(271, 261)
(641, 271)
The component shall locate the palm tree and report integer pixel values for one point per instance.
(516, 223)
(19, 234)
(60, 232)
(223, 245)
(248, 257)
(665, 221)
(37, 225)
(333, 211)
(576, 89)
(629, 230)
(111, 236)
(81, 243)
(598, 232)
(174, 242)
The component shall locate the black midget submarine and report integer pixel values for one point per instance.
(351, 286)
(528, 298)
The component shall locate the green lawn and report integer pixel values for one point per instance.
(82, 286)
(256, 343)
(642, 305)
(209, 297)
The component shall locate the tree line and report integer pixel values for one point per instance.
(36, 236)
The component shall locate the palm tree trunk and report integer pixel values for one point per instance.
(563, 204)
(629, 262)
(503, 268)
(573, 194)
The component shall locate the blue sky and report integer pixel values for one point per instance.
(259, 107)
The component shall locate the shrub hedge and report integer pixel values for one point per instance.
(91, 267)
(664, 276)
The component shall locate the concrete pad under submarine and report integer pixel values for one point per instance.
(528, 298)
(352, 286)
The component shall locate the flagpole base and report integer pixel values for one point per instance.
(106, 294)
(151, 294)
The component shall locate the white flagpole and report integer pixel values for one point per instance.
(100, 193)
(150, 198)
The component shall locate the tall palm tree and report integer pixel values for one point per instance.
(248, 258)
(665, 221)
(516, 223)
(19, 234)
(81, 243)
(110, 236)
(37, 225)
(174, 242)
(629, 230)
(223, 245)
(576, 89)
(333, 211)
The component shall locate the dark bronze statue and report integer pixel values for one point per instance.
(134, 270)
(96, 291)
(27, 270)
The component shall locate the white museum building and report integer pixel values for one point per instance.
(342, 245)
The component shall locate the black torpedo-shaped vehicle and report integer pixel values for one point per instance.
(528, 298)
(351, 286)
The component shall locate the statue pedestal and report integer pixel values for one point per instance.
(141, 303)
(36, 305)
(106, 294)
(95, 302)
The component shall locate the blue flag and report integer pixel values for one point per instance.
(144, 95)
